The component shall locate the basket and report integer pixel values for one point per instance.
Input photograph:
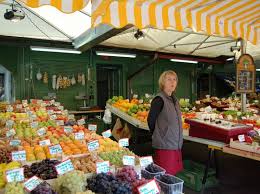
(175, 186)
(150, 175)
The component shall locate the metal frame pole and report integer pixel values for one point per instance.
(243, 95)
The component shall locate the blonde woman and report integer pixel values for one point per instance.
(165, 124)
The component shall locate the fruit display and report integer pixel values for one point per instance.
(151, 171)
(3, 168)
(71, 183)
(86, 164)
(166, 181)
(108, 145)
(127, 174)
(107, 184)
(116, 157)
(86, 192)
(44, 169)
(14, 188)
(137, 184)
(43, 188)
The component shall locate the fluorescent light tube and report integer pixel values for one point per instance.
(112, 54)
(55, 50)
(257, 69)
(183, 61)
(230, 59)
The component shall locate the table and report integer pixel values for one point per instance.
(83, 112)
(241, 153)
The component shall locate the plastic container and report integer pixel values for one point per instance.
(175, 186)
(150, 175)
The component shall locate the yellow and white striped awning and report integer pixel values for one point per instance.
(66, 6)
(235, 18)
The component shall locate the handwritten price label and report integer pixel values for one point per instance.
(19, 155)
(15, 175)
(39, 102)
(41, 131)
(93, 145)
(92, 127)
(53, 117)
(102, 167)
(32, 183)
(241, 138)
(123, 142)
(129, 160)
(61, 108)
(64, 167)
(50, 112)
(149, 188)
(15, 142)
(68, 129)
(9, 108)
(9, 123)
(71, 117)
(57, 104)
(79, 135)
(44, 104)
(19, 106)
(60, 122)
(45, 142)
(107, 134)
(34, 124)
(145, 161)
(81, 122)
(56, 149)
(24, 101)
(10, 133)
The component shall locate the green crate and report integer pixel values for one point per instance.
(192, 176)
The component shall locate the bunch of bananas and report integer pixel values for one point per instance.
(4, 167)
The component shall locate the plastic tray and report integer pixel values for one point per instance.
(150, 175)
(175, 188)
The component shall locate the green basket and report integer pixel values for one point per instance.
(192, 175)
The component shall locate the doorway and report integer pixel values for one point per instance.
(203, 85)
(109, 83)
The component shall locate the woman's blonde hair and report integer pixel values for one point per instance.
(163, 76)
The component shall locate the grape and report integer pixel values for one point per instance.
(127, 174)
(43, 188)
(14, 188)
(137, 184)
(153, 168)
(151, 171)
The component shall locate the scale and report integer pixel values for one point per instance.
(83, 98)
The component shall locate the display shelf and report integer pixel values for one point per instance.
(133, 121)
(241, 153)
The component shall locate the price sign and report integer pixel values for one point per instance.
(79, 135)
(43, 104)
(15, 142)
(93, 145)
(24, 101)
(41, 131)
(45, 142)
(59, 122)
(50, 112)
(57, 104)
(52, 102)
(56, 149)
(107, 134)
(33, 117)
(10, 133)
(66, 112)
(92, 127)
(15, 175)
(71, 117)
(81, 122)
(145, 161)
(19, 155)
(19, 106)
(68, 129)
(9, 123)
(241, 138)
(34, 124)
(32, 183)
(64, 167)
(129, 160)
(25, 105)
(53, 117)
(102, 167)
(61, 108)
(123, 142)
(149, 188)
(9, 108)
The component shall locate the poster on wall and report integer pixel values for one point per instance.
(245, 74)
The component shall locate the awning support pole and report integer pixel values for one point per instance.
(243, 95)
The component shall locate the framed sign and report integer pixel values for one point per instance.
(245, 74)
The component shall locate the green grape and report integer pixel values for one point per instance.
(14, 188)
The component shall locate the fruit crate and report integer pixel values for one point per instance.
(192, 175)
(150, 175)
(169, 184)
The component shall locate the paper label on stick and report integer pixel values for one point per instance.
(15, 175)
(55, 149)
(15, 142)
(241, 138)
(32, 183)
(123, 142)
(19, 155)
(107, 134)
(68, 129)
(41, 131)
(102, 167)
(45, 142)
(129, 160)
(149, 188)
(92, 127)
(81, 122)
(93, 145)
(10, 133)
(64, 167)
(145, 161)
(79, 136)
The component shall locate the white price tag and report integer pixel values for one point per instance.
(15, 142)
(25, 105)
(19, 106)
(53, 117)
(43, 104)
(79, 135)
(10, 133)
(92, 127)
(60, 122)
(57, 104)
(81, 122)
(15, 175)
(93, 145)
(145, 161)
(45, 142)
(24, 101)
(32, 183)
(66, 112)
(61, 108)
(102, 167)
(41, 131)
(68, 129)
(33, 117)
(55, 149)
(39, 102)
(129, 160)
(241, 138)
(34, 124)
(107, 134)
(9, 123)
(123, 142)
(64, 167)
(9, 108)
(149, 188)
(71, 117)
(19, 155)
(52, 102)
(50, 112)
